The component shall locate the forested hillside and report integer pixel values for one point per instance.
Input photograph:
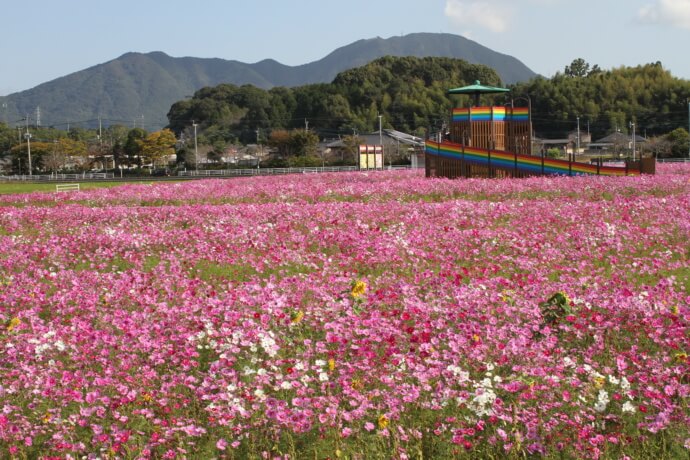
(411, 95)
(647, 95)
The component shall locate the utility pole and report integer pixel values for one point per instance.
(28, 143)
(381, 141)
(258, 154)
(196, 150)
(578, 135)
(28, 148)
(632, 125)
(380, 131)
(306, 127)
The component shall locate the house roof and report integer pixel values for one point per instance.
(404, 137)
(553, 141)
(388, 134)
(619, 138)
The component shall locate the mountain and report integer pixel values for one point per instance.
(140, 88)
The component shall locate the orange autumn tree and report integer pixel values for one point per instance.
(157, 146)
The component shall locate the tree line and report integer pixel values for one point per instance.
(405, 93)
(55, 151)
(608, 101)
(410, 94)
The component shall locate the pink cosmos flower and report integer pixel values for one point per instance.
(221, 444)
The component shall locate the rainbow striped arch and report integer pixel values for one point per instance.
(523, 163)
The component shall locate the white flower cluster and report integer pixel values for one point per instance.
(46, 344)
(457, 371)
(269, 344)
(484, 398)
(602, 401)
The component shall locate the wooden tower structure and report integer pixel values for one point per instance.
(496, 141)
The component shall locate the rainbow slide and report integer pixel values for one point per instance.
(524, 163)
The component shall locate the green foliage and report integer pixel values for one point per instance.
(410, 94)
(554, 152)
(679, 142)
(607, 100)
(132, 147)
(555, 309)
(580, 68)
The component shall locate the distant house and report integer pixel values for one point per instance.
(565, 145)
(585, 140)
(616, 143)
(396, 146)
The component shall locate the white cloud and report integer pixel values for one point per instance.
(672, 12)
(494, 16)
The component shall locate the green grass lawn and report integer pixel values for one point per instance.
(10, 188)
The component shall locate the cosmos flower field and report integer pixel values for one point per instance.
(353, 315)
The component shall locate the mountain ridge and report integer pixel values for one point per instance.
(139, 88)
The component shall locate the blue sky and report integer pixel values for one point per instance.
(55, 38)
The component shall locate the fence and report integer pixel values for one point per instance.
(274, 171)
(673, 160)
(191, 174)
(58, 177)
(66, 187)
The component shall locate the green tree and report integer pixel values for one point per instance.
(132, 147)
(679, 141)
(351, 147)
(578, 68)
(303, 143)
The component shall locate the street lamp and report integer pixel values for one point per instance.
(27, 136)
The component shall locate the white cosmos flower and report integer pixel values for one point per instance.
(602, 401)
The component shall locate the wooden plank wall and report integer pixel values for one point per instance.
(518, 138)
(479, 134)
